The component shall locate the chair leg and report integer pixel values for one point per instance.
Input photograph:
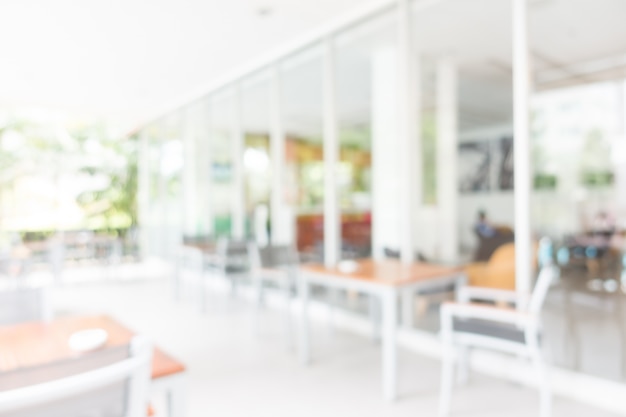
(176, 277)
(545, 394)
(463, 365)
(333, 302)
(447, 380)
(288, 318)
(258, 304)
(202, 289)
(260, 292)
(543, 383)
(233, 287)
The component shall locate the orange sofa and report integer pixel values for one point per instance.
(498, 272)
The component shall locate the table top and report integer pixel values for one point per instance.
(389, 272)
(38, 343)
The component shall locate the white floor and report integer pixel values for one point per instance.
(232, 372)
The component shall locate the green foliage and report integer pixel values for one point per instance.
(429, 157)
(545, 182)
(114, 205)
(44, 149)
(595, 159)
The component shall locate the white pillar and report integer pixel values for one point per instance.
(278, 218)
(447, 159)
(331, 155)
(204, 169)
(189, 203)
(385, 142)
(238, 213)
(143, 196)
(408, 126)
(521, 82)
(619, 155)
(162, 225)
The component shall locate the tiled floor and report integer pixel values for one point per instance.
(233, 372)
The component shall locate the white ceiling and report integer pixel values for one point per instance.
(477, 34)
(128, 60)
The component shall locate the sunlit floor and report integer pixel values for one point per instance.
(233, 372)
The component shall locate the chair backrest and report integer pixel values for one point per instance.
(232, 248)
(544, 280)
(24, 304)
(273, 256)
(103, 384)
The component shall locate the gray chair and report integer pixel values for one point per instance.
(189, 264)
(231, 260)
(466, 325)
(274, 265)
(24, 304)
(108, 383)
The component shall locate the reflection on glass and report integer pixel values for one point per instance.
(302, 110)
(222, 136)
(256, 159)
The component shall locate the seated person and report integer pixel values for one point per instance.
(598, 236)
(490, 237)
(603, 226)
(483, 228)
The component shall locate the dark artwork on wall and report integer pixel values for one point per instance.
(474, 167)
(505, 164)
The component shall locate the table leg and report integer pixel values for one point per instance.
(408, 308)
(374, 312)
(176, 398)
(333, 303)
(304, 342)
(257, 281)
(172, 388)
(288, 319)
(461, 281)
(202, 289)
(389, 349)
(176, 277)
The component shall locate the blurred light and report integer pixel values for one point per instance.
(595, 285)
(255, 160)
(611, 285)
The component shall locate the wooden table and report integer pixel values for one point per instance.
(386, 280)
(39, 343)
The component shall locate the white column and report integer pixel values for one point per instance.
(619, 154)
(189, 203)
(163, 224)
(205, 168)
(447, 155)
(408, 126)
(277, 151)
(331, 156)
(385, 142)
(143, 196)
(238, 213)
(521, 82)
